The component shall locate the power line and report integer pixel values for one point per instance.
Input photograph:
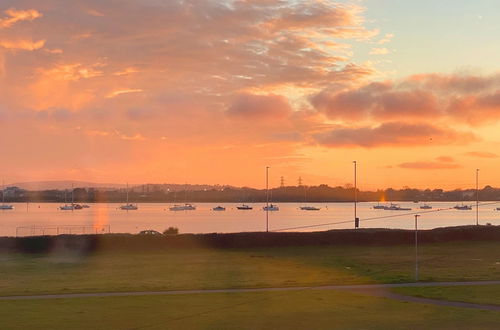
(377, 218)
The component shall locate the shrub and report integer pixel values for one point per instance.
(171, 231)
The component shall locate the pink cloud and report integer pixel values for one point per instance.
(250, 107)
(481, 154)
(471, 99)
(14, 15)
(392, 134)
(423, 165)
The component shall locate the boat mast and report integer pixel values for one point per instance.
(267, 198)
(127, 193)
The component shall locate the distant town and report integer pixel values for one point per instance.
(172, 193)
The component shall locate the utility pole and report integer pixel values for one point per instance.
(356, 220)
(416, 247)
(477, 196)
(282, 182)
(267, 199)
(300, 181)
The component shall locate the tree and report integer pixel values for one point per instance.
(171, 231)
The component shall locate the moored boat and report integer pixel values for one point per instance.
(309, 208)
(463, 207)
(5, 206)
(244, 207)
(379, 206)
(185, 207)
(271, 207)
(396, 207)
(129, 206)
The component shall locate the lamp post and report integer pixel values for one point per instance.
(416, 247)
(477, 196)
(267, 199)
(356, 220)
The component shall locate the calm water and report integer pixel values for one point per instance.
(203, 220)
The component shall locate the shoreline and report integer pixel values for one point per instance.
(337, 237)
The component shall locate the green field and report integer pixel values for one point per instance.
(204, 268)
(263, 310)
(244, 268)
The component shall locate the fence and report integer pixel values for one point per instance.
(62, 230)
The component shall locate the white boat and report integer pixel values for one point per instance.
(219, 208)
(244, 207)
(379, 207)
(66, 206)
(5, 206)
(271, 207)
(463, 207)
(396, 207)
(185, 207)
(425, 207)
(309, 208)
(129, 206)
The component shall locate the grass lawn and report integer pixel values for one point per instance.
(257, 310)
(488, 294)
(60, 272)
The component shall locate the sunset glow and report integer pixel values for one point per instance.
(214, 91)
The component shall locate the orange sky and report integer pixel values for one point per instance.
(213, 91)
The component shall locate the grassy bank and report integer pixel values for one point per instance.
(343, 237)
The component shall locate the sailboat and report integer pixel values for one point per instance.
(269, 207)
(244, 207)
(379, 206)
(308, 207)
(5, 206)
(185, 207)
(129, 206)
(463, 207)
(71, 206)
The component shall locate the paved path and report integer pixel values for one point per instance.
(380, 290)
(400, 297)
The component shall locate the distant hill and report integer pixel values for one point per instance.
(66, 184)
(62, 184)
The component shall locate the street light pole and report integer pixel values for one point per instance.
(356, 223)
(267, 198)
(477, 196)
(416, 247)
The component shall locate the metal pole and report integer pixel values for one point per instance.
(477, 196)
(416, 247)
(267, 198)
(355, 193)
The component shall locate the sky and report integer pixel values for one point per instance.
(157, 91)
